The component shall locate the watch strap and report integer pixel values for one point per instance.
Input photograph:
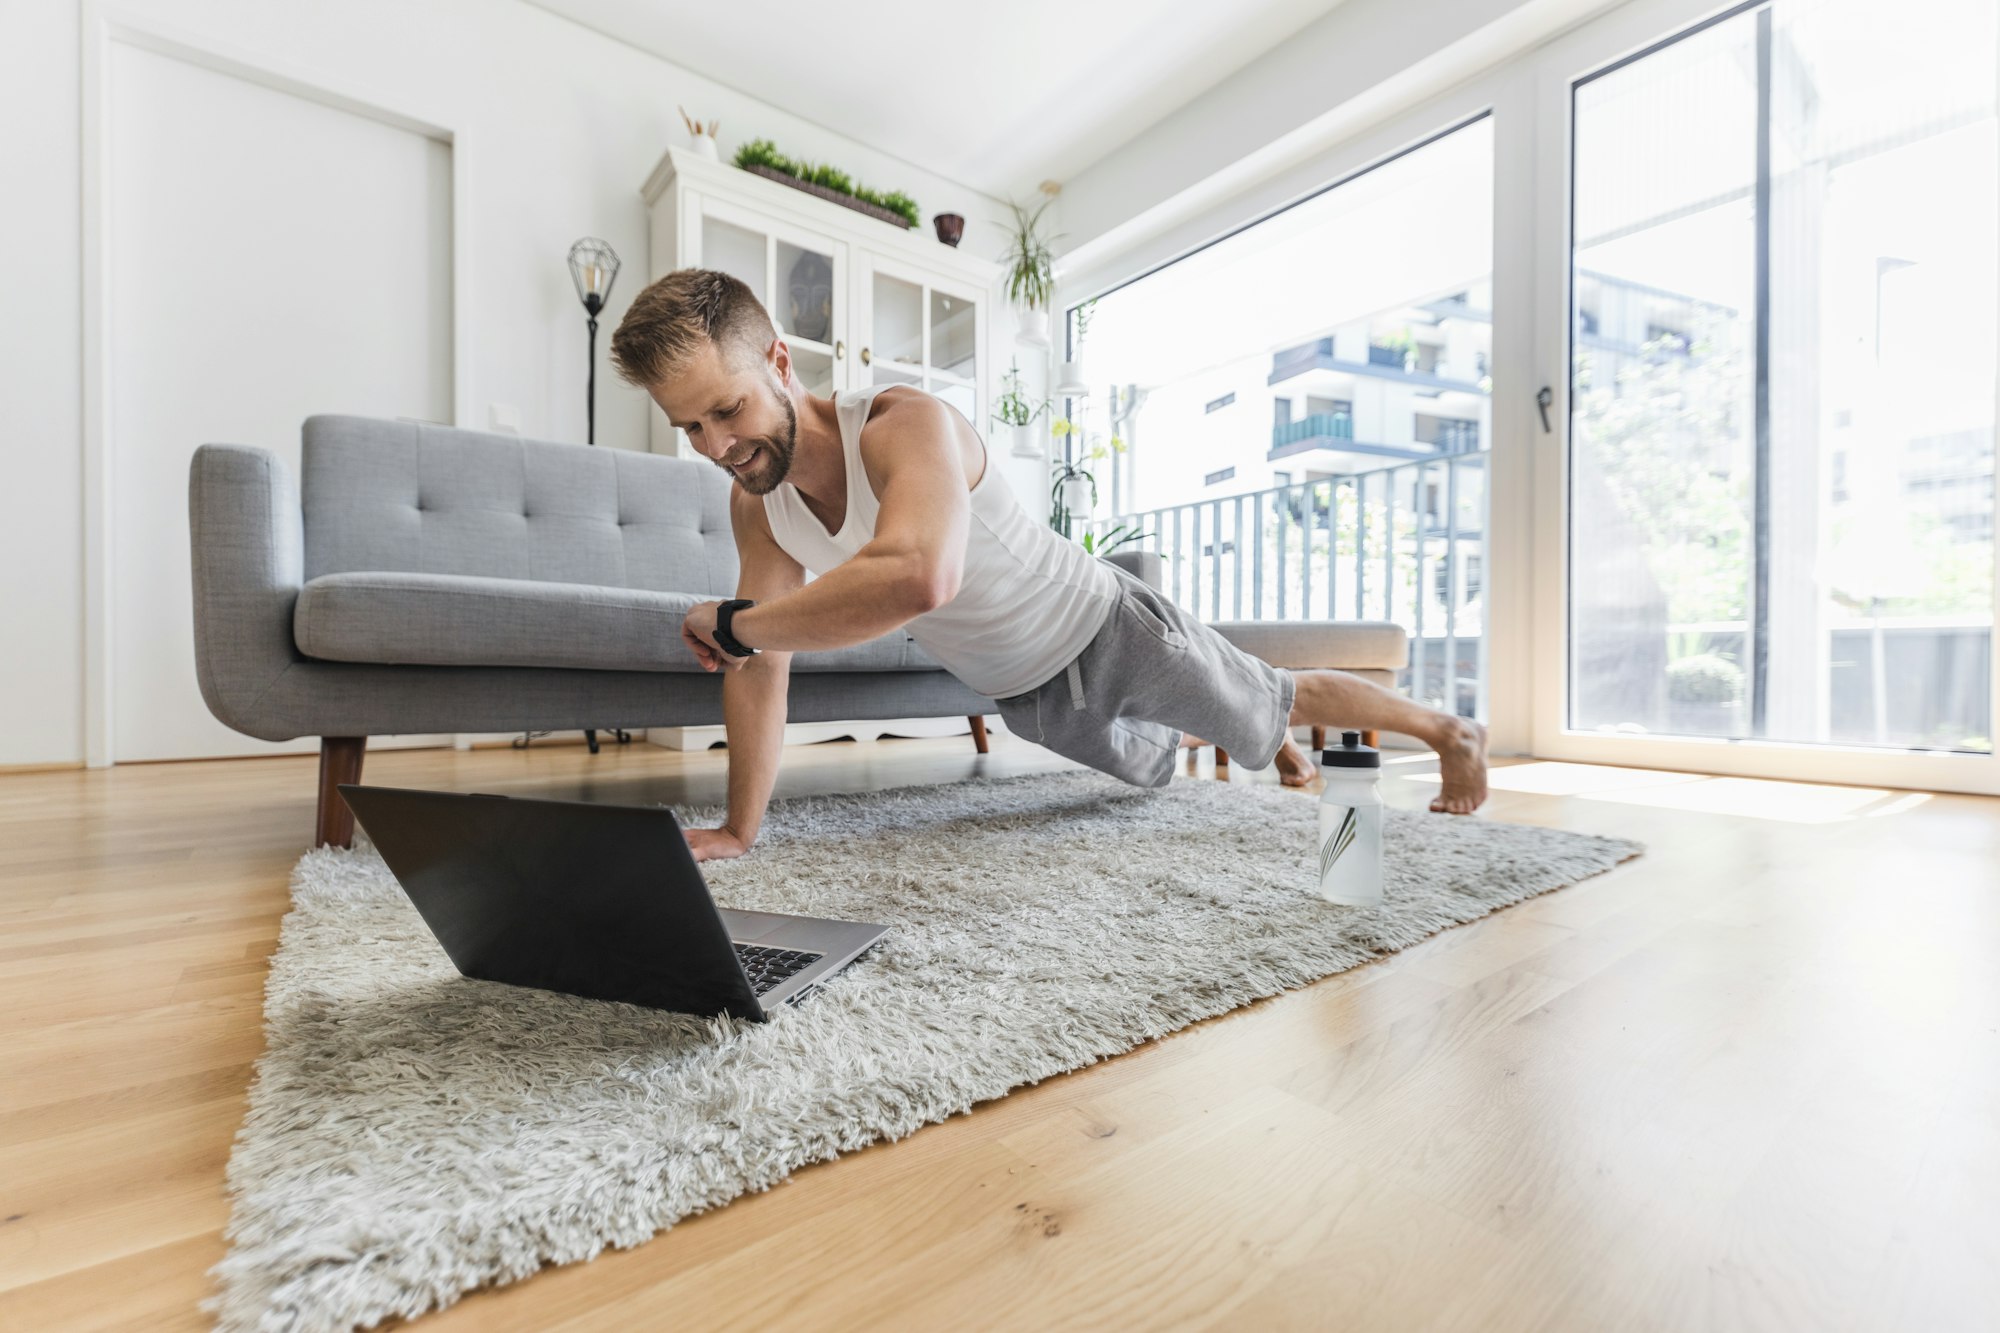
(727, 641)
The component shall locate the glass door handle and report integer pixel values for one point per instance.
(865, 358)
(839, 348)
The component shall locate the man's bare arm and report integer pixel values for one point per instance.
(754, 690)
(913, 562)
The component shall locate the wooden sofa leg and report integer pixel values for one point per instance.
(339, 761)
(1319, 738)
(978, 733)
(1371, 738)
(1221, 760)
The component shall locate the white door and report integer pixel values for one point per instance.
(1766, 310)
(922, 328)
(267, 257)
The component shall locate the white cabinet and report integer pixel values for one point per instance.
(857, 300)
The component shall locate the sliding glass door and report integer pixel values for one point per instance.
(1773, 436)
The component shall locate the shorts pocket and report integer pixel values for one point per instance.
(1023, 715)
(1155, 626)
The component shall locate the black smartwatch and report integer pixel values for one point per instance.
(723, 638)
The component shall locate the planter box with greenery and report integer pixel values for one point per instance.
(761, 157)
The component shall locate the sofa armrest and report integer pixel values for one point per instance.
(248, 549)
(1149, 567)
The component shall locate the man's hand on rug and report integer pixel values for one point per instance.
(716, 844)
(698, 633)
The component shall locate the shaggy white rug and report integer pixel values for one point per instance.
(413, 1134)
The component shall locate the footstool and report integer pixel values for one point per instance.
(1372, 649)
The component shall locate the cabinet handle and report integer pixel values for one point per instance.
(865, 358)
(839, 349)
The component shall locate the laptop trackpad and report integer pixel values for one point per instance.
(756, 927)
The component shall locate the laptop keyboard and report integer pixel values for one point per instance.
(767, 967)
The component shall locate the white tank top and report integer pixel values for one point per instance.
(1029, 601)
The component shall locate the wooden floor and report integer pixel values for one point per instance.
(1748, 1081)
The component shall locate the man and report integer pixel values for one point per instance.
(887, 494)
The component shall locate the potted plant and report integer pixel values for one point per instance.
(1031, 273)
(1014, 409)
(1070, 382)
(1400, 345)
(1073, 493)
(761, 157)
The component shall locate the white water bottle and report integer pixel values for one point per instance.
(1350, 823)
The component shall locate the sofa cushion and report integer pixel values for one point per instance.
(430, 499)
(1346, 645)
(469, 620)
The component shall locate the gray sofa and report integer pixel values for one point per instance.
(422, 579)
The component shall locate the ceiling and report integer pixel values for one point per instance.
(999, 97)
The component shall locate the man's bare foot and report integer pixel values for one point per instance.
(1294, 769)
(1461, 748)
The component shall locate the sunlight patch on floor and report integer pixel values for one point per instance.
(1752, 798)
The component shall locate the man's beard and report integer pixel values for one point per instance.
(777, 462)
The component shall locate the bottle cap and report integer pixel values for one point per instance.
(1350, 753)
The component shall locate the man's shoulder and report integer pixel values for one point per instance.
(902, 408)
(902, 415)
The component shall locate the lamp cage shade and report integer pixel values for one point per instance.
(593, 266)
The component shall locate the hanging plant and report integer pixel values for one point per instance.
(1031, 273)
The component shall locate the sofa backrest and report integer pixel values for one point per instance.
(419, 498)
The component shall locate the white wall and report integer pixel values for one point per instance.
(562, 125)
(1248, 144)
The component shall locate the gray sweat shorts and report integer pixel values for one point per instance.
(1152, 673)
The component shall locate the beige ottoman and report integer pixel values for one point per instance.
(1372, 649)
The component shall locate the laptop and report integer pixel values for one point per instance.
(602, 901)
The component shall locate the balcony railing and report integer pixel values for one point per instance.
(1335, 430)
(1402, 543)
(1320, 425)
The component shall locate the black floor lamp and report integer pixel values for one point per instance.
(593, 266)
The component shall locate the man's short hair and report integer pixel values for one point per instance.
(670, 320)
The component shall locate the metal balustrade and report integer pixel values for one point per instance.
(1402, 543)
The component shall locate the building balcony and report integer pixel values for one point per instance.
(1334, 432)
(1318, 355)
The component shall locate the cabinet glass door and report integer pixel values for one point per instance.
(923, 331)
(799, 276)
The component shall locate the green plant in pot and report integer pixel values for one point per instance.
(1016, 410)
(1069, 379)
(1073, 493)
(1031, 271)
(762, 153)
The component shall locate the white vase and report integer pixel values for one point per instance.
(1027, 441)
(1034, 324)
(705, 145)
(1076, 499)
(1070, 382)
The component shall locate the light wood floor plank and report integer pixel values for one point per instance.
(1748, 1081)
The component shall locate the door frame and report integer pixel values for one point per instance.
(1622, 33)
(104, 22)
